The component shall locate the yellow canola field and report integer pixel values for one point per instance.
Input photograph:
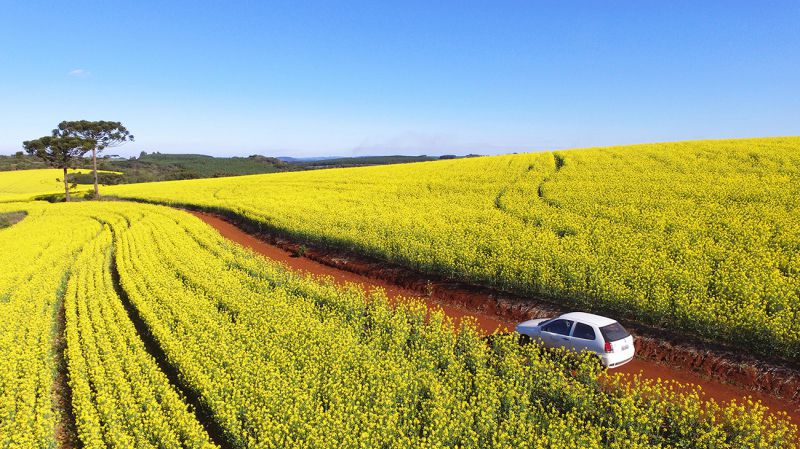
(35, 256)
(701, 237)
(23, 185)
(120, 396)
(58, 257)
(283, 360)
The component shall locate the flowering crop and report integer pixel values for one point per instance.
(35, 257)
(120, 397)
(701, 237)
(22, 185)
(284, 360)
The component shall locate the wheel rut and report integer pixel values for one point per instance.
(202, 412)
(558, 163)
(66, 431)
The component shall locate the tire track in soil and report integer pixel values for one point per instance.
(558, 161)
(66, 431)
(202, 412)
(490, 317)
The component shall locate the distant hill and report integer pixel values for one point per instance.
(331, 162)
(160, 167)
(188, 166)
(306, 159)
(357, 161)
(150, 167)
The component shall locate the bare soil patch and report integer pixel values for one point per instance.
(11, 218)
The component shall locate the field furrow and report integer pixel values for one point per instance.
(700, 237)
(121, 397)
(32, 285)
(156, 302)
(281, 360)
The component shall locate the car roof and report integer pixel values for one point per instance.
(588, 318)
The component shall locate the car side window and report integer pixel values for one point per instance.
(561, 327)
(583, 331)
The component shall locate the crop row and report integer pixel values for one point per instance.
(282, 360)
(700, 237)
(35, 257)
(59, 256)
(120, 396)
(288, 361)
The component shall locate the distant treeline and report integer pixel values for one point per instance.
(150, 167)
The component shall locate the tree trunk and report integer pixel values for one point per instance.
(66, 184)
(94, 167)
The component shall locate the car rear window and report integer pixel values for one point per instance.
(583, 331)
(614, 332)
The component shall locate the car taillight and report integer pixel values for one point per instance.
(608, 347)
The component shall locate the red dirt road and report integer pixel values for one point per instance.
(488, 322)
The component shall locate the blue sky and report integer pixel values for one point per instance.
(430, 77)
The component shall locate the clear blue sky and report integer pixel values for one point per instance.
(318, 78)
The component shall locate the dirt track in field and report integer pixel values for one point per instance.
(202, 412)
(492, 314)
(66, 431)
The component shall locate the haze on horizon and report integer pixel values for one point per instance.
(365, 78)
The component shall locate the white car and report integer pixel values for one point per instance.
(583, 331)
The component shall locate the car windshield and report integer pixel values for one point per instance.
(614, 332)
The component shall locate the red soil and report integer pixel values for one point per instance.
(486, 322)
(494, 314)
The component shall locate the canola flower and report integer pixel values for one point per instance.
(120, 396)
(35, 257)
(289, 361)
(60, 255)
(284, 360)
(701, 237)
(23, 185)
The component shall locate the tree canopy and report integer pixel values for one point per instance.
(58, 152)
(103, 133)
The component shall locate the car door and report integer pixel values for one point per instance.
(583, 337)
(556, 333)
